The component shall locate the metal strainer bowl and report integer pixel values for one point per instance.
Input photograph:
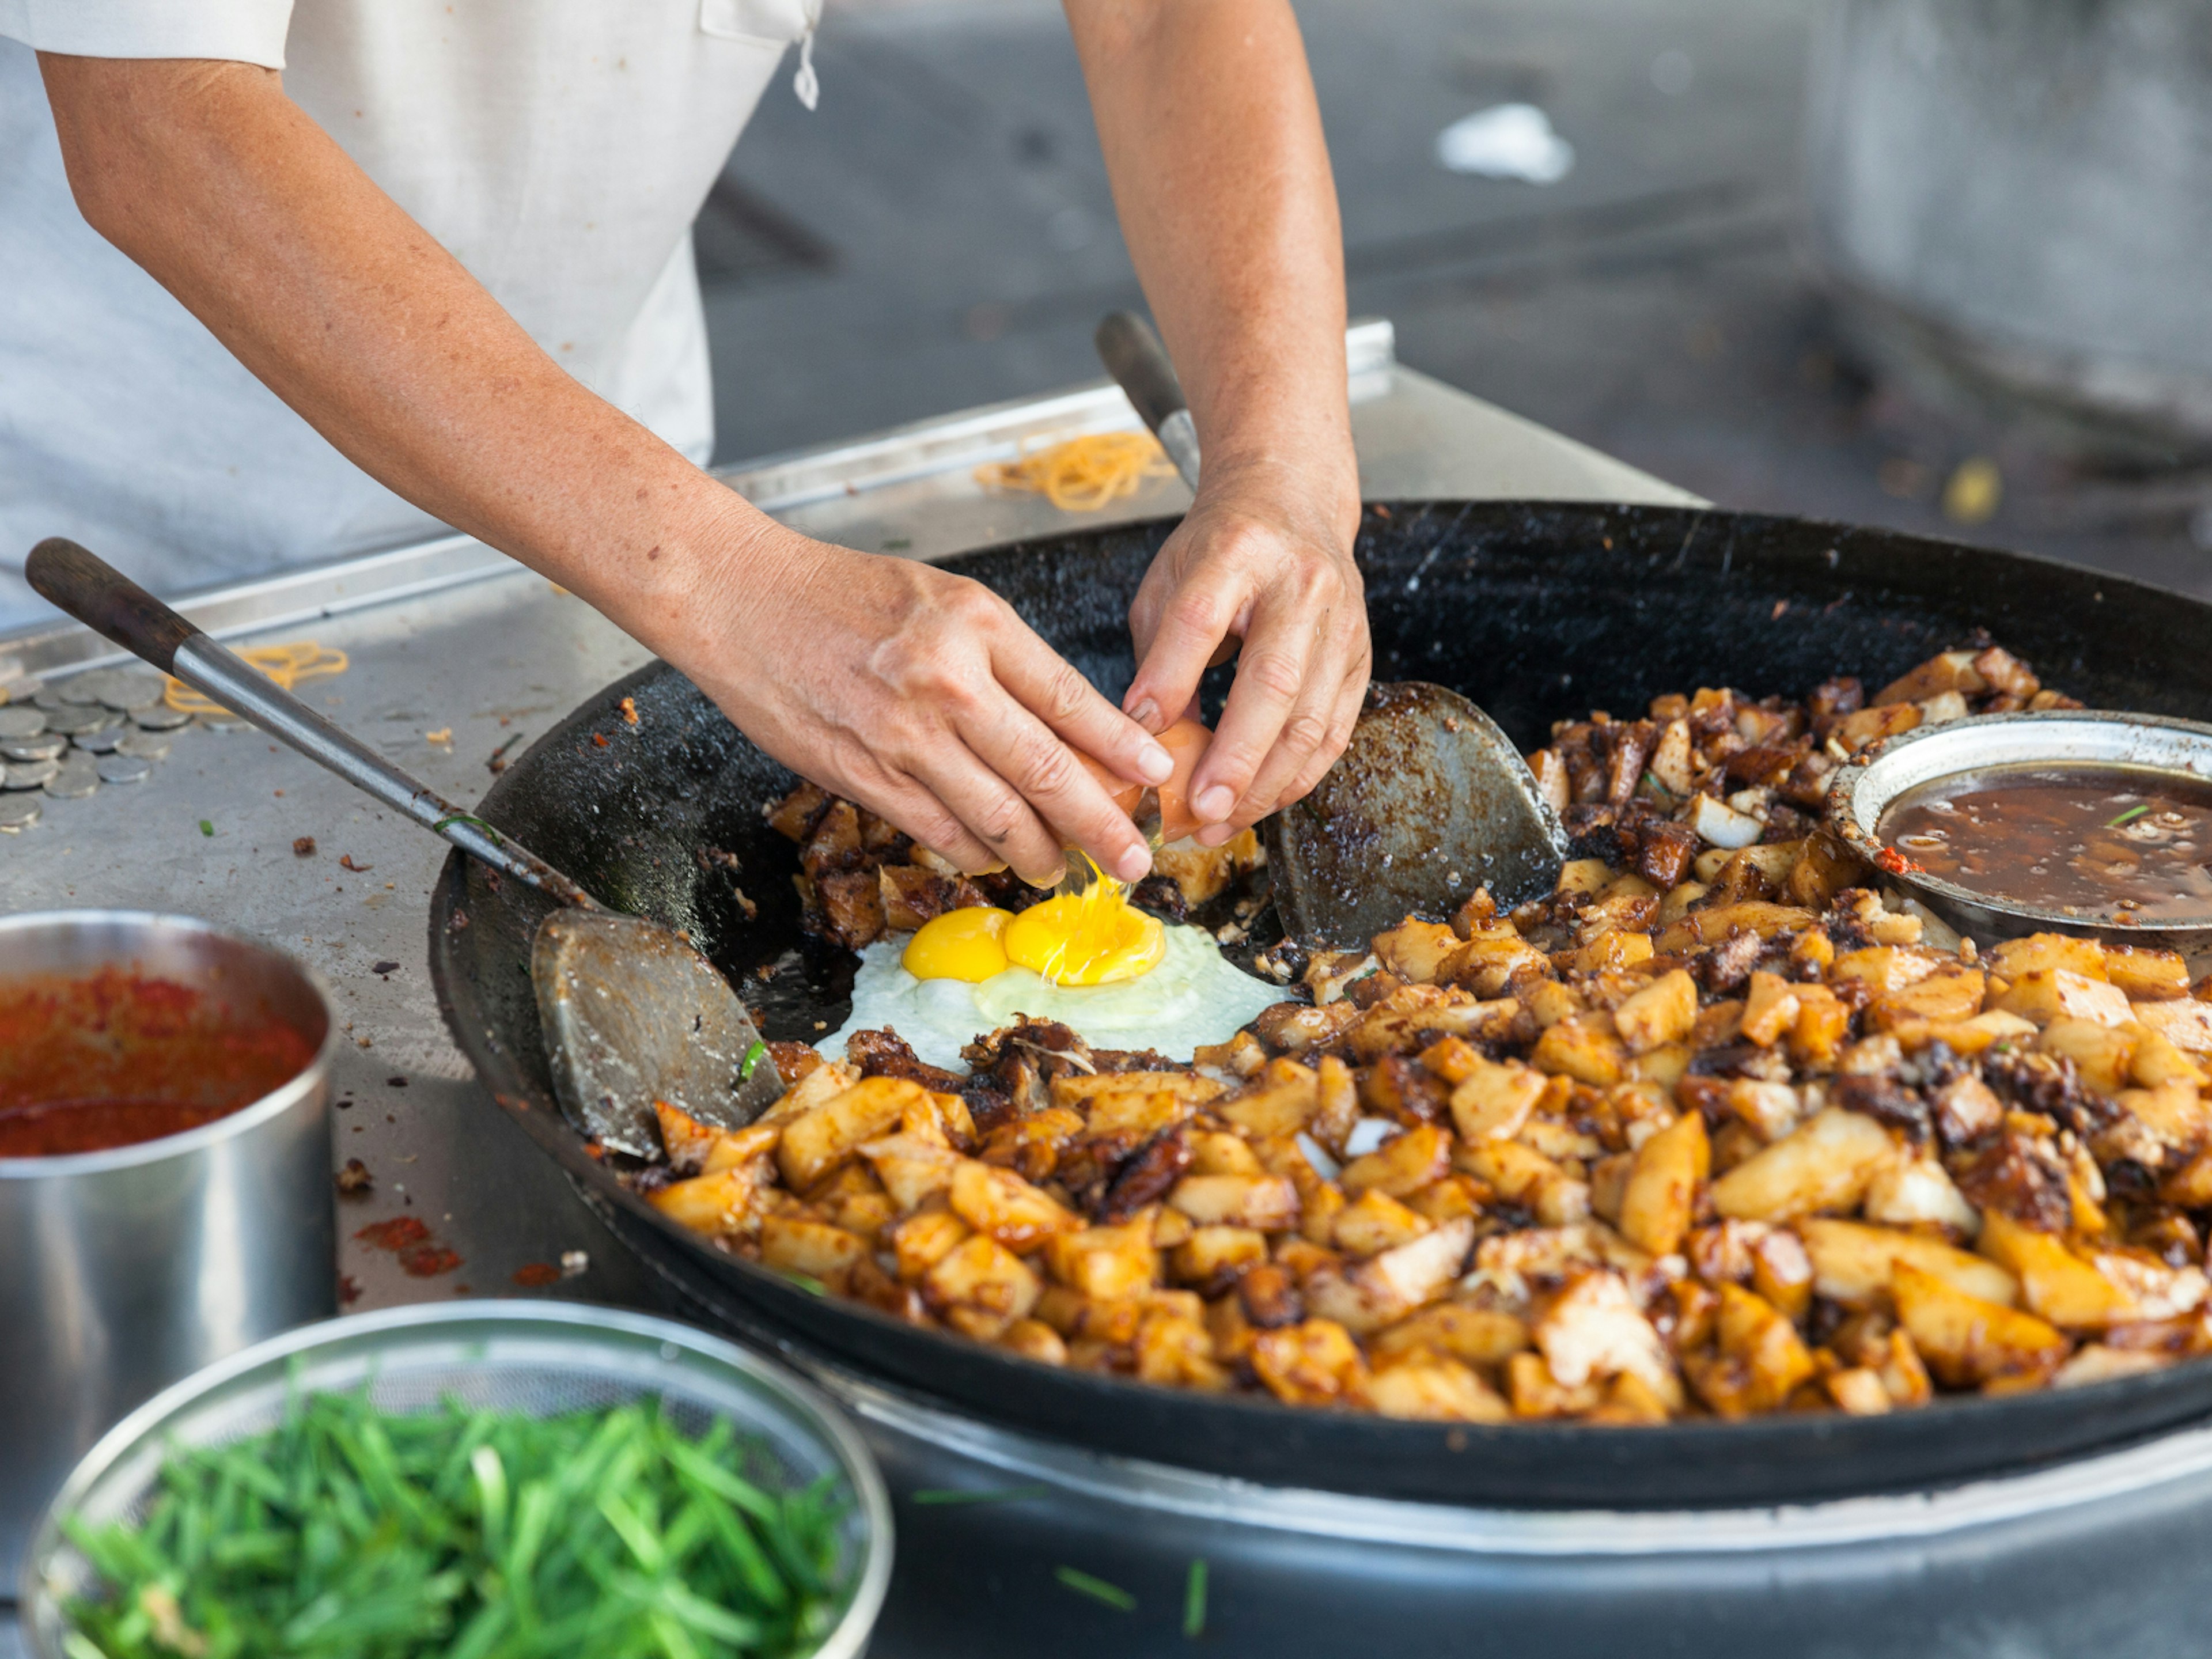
(539, 1357)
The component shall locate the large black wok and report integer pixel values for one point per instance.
(1536, 611)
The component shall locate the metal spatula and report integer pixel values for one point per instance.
(632, 1012)
(1430, 801)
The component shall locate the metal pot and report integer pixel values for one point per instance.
(129, 1268)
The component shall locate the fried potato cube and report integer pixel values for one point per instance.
(1281, 1100)
(2043, 994)
(1952, 992)
(1950, 671)
(1915, 1189)
(1136, 1116)
(819, 1140)
(2104, 1053)
(2156, 1062)
(1608, 952)
(1857, 1390)
(1770, 1009)
(1480, 1336)
(1431, 1387)
(2145, 974)
(1885, 968)
(2174, 1116)
(1414, 950)
(1823, 1164)
(683, 1137)
(910, 1169)
(1662, 1012)
(1451, 1059)
(1216, 1254)
(716, 1205)
(1824, 1024)
(1493, 959)
(1386, 1287)
(1967, 1037)
(1535, 1393)
(984, 1276)
(815, 1249)
(1242, 1055)
(1758, 1359)
(1216, 1151)
(2037, 952)
(1581, 1049)
(1402, 1164)
(819, 1086)
(1177, 1351)
(2054, 1283)
(1314, 1363)
(1298, 1029)
(1824, 867)
(1267, 1202)
(2189, 1188)
(1660, 1195)
(1712, 924)
(1854, 1263)
(924, 1239)
(1594, 1330)
(1375, 1223)
(1082, 1091)
(1205, 873)
(1493, 1100)
(1000, 1203)
(1585, 878)
(2095, 1363)
(1032, 1339)
(1523, 1176)
(2186, 1025)
(1967, 1341)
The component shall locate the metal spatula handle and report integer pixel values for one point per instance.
(1138, 361)
(109, 602)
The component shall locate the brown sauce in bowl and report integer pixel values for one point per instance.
(2119, 844)
(112, 1059)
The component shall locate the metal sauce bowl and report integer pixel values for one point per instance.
(1864, 788)
(129, 1268)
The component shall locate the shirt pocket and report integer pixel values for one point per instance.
(772, 22)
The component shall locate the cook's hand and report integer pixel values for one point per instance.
(1258, 564)
(921, 695)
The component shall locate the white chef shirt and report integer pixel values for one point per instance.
(558, 149)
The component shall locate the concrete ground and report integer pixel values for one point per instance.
(939, 233)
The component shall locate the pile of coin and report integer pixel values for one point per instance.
(67, 738)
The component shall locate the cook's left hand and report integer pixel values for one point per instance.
(1262, 562)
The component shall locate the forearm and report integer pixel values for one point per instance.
(1213, 144)
(208, 176)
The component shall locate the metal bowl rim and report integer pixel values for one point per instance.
(803, 1404)
(1841, 814)
(248, 1117)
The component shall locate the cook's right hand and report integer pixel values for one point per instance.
(921, 695)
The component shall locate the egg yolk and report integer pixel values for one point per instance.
(959, 945)
(1090, 937)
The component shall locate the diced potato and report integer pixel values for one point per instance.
(2054, 1283)
(2174, 1115)
(1375, 1223)
(1758, 1358)
(1451, 1059)
(1523, 1176)
(1494, 1100)
(1386, 1287)
(1662, 1012)
(1951, 670)
(1902, 1372)
(818, 1141)
(1298, 1029)
(1083, 1091)
(1885, 968)
(1967, 1036)
(1710, 926)
(717, 1204)
(1492, 960)
(1854, 1264)
(1414, 950)
(2104, 1053)
(924, 1239)
(2037, 952)
(1314, 1363)
(1174, 1350)
(1034, 1339)
(2157, 1062)
(795, 1244)
(1000, 1203)
(1782, 1272)
(1213, 1254)
(1242, 1055)
(1661, 1197)
(1404, 1164)
(1388, 1028)
(2043, 994)
(1281, 1100)
(1674, 762)
(1609, 953)
(1267, 1202)
(1216, 1151)
(1586, 877)
(1952, 992)
(910, 1169)
(1106, 1262)
(1535, 1393)
(1967, 1341)
(981, 1274)
(1857, 731)
(1823, 1023)
(1770, 1009)
(1133, 1118)
(2186, 1025)
(1593, 1329)
(1582, 1050)
(1480, 1336)
(2157, 1290)
(1857, 1390)
(2146, 975)
(818, 1088)
(1436, 1389)
(1825, 1164)
(1916, 1190)
(2095, 1363)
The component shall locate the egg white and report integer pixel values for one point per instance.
(1194, 996)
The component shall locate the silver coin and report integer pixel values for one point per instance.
(75, 722)
(25, 722)
(160, 718)
(102, 742)
(131, 692)
(80, 690)
(51, 698)
(124, 768)
(18, 812)
(23, 691)
(146, 745)
(46, 747)
(77, 777)
(31, 774)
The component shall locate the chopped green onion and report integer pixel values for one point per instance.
(2132, 812)
(1097, 1589)
(438, 828)
(1193, 1599)
(207, 826)
(752, 1059)
(945, 1496)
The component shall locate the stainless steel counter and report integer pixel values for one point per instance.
(456, 652)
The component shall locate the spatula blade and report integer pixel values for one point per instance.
(632, 1014)
(1429, 801)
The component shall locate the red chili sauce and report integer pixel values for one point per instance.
(2119, 844)
(112, 1058)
